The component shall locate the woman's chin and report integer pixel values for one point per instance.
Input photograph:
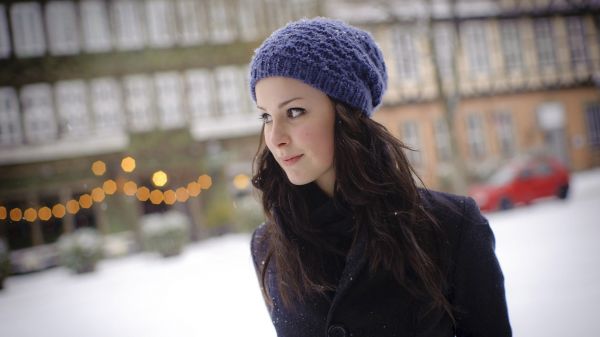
(299, 181)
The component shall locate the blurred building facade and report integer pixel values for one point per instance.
(521, 77)
(162, 81)
(165, 82)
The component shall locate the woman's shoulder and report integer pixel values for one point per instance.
(456, 215)
(259, 243)
(449, 206)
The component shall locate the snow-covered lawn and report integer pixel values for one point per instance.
(210, 290)
(549, 252)
(550, 255)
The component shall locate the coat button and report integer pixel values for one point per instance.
(336, 330)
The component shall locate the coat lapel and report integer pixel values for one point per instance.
(355, 262)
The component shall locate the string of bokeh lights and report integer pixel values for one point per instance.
(109, 187)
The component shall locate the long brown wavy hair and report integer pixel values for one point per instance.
(373, 177)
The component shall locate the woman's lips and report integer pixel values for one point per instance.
(291, 160)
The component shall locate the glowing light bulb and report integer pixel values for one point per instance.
(159, 178)
(99, 167)
(128, 164)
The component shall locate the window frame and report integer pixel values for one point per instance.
(476, 45)
(160, 19)
(168, 87)
(407, 62)
(229, 91)
(510, 39)
(39, 119)
(200, 92)
(476, 136)
(62, 27)
(11, 132)
(592, 116)
(505, 131)
(544, 42)
(442, 140)
(577, 40)
(411, 136)
(105, 97)
(129, 25)
(95, 26)
(72, 108)
(29, 39)
(139, 102)
(5, 40)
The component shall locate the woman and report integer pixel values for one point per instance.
(351, 246)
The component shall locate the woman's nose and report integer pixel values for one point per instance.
(278, 135)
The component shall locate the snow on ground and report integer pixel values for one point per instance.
(548, 251)
(210, 290)
(550, 256)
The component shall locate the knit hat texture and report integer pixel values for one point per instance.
(342, 61)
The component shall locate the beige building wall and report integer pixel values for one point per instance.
(528, 136)
(492, 92)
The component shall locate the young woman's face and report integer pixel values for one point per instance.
(298, 128)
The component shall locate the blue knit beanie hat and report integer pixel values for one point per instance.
(342, 61)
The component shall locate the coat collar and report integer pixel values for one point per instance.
(355, 262)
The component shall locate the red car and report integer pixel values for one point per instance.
(522, 181)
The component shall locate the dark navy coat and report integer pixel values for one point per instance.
(373, 304)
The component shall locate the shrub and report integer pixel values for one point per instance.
(220, 213)
(80, 250)
(248, 213)
(165, 233)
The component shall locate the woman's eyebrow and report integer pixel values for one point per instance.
(282, 103)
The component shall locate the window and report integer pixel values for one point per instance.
(106, 104)
(222, 30)
(94, 21)
(544, 42)
(10, 123)
(511, 45)
(168, 95)
(475, 42)
(161, 23)
(28, 30)
(200, 93)
(71, 103)
(444, 49)
(277, 13)
(475, 136)
(4, 35)
(592, 114)
(406, 54)
(230, 92)
(138, 93)
(191, 22)
(302, 8)
(249, 104)
(541, 170)
(442, 140)
(576, 34)
(410, 137)
(505, 131)
(63, 31)
(283, 10)
(38, 115)
(129, 24)
(247, 11)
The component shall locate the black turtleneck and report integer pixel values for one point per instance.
(332, 221)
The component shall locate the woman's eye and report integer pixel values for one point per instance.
(295, 112)
(265, 118)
